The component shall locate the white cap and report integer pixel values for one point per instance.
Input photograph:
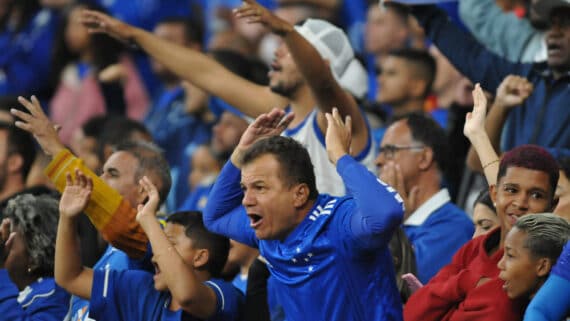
(333, 45)
(543, 7)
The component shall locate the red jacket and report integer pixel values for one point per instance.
(453, 293)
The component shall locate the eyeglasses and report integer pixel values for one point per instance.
(390, 150)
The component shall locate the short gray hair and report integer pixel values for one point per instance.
(546, 234)
(37, 218)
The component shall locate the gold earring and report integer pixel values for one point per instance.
(29, 270)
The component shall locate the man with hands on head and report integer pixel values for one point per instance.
(310, 72)
(186, 257)
(328, 255)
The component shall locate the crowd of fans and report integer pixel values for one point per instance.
(284, 160)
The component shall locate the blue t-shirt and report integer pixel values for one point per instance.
(335, 265)
(130, 295)
(41, 300)
(112, 259)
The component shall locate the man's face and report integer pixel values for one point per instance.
(284, 77)
(399, 136)
(558, 40)
(394, 80)
(203, 165)
(268, 200)
(85, 147)
(173, 32)
(384, 31)
(563, 195)
(519, 192)
(518, 266)
(119, 172)
(227, 133)
(182, 244)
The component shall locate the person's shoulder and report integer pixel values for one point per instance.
(42, 291)
(230, 299)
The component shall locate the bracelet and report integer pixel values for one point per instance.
(491, 163)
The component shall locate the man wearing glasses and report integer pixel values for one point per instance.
(413, 158)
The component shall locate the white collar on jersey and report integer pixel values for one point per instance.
(431, 205)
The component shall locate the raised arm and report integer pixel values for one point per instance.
(474, 130)
(109, 212)
(315, 70)
(190, 65)
(224, 213)
(68, 271)
(470, 57)
(194, 297)
(378, 209)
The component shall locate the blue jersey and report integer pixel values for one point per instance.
(130, 295)
(335, 265)
(112, 259)
(41, 300)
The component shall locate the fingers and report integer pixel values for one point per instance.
(286, 120)
(33, 105)
(148, 186)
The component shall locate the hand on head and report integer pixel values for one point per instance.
(76, 194)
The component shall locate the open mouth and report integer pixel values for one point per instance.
(255, 220)
(553, 48)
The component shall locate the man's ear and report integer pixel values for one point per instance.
(301, 195)
(201, 258)
(427, 158)
(15, 163)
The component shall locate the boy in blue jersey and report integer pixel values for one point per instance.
(328, 255)
(186, 258)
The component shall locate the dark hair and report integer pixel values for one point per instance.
(250, 69)
(36, 217)
(564, 163)
(484, 198)
(118, 129)
(531, 157)
(428, 132)
(193, 32)
(218, 246)
(151, 163)
(94, 126)
(293, 158)
(546, 234)
(422, 65)
(21, 143)
(106, 50)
